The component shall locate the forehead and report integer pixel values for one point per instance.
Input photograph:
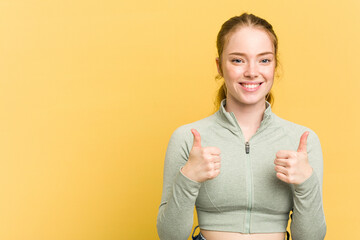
(248, 40)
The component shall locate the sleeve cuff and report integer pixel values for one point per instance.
(308, 184)
(185, 191)
(186, 182)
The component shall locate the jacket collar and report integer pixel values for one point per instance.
(228, 119)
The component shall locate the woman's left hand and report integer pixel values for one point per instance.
(293, 166)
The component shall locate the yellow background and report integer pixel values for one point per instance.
(90, 92)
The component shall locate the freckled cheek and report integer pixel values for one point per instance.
(233, 73)
(268, 73)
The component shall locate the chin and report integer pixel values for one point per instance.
(251, 101)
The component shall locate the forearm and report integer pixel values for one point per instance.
(175, 216)
(308, 220)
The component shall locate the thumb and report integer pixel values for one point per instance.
(197, 138)
(303, 142)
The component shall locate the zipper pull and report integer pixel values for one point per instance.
(247, 147)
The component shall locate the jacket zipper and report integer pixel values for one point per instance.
(249, 176)
(247, 147)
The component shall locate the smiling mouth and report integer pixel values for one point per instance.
(250, 85)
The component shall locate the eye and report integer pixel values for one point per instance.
(265, 60)
(236, 60)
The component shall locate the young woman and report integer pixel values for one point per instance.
(244, 168)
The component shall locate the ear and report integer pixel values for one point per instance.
(218, 65)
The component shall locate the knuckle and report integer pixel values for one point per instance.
(290, 164)
(206, 151)
(208, 167)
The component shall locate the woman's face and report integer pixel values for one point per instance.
(248, 65)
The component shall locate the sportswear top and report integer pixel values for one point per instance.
(246, 196)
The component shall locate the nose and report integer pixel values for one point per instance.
(251, 71)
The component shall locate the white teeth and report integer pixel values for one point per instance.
(251, 85)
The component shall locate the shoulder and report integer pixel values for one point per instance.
(183, 133)
(295, 130)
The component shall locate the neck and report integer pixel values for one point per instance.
(249, 116)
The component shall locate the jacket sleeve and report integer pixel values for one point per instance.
(176, 211)
(308, 219)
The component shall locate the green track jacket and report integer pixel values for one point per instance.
(246, 196)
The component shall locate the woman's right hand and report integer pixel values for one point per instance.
(203, 163)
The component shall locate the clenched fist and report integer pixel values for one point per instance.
(293, 166)
(203, 163)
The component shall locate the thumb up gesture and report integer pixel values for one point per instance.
(293, 166)
(203, 163)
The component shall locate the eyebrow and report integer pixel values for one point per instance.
(243, 54)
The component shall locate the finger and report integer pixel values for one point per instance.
(215, 158)
(217, 165)
(197, 138)
(216, 172)
(282, 177)
(281, 162)
(285, 154)
(303, 141)
(213, 150)
(281, 169)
